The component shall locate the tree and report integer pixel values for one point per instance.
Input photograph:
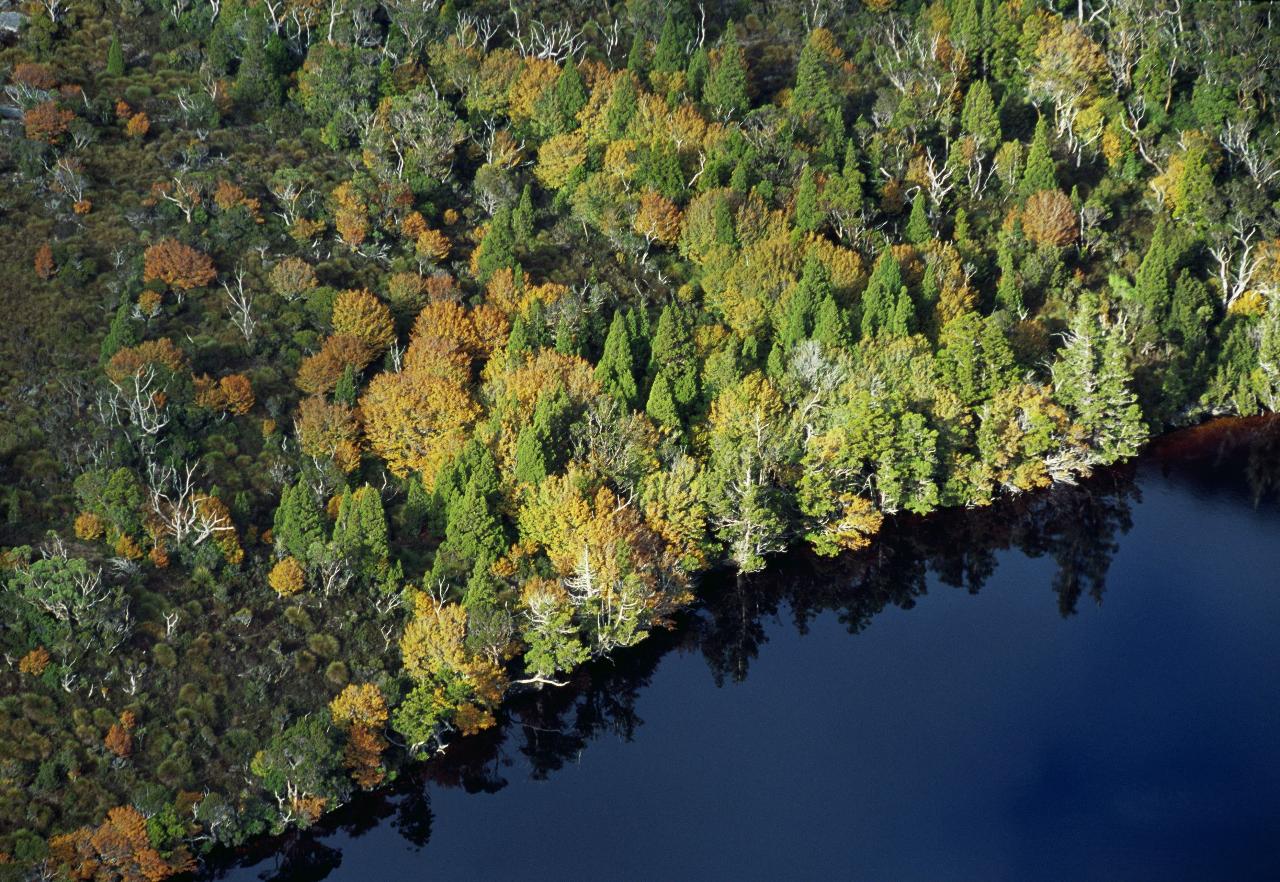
(497, 249)
(814, 93)
(674, 356)
(474, 536)
(615, 372)
(297, 524)
(919, 232)
(287, 577)
(657, 219)
(671, 52)
(1050, 219)
(1091, 378)
(120, 848)
(808, 216)
(43, 262)
(177, 265)
(1154, 273)
(360, 533)
(1008, 291)
(1041, 172)
(726, 89)
(886, 300)
(979, 117)
(47, 123)
(361, 315)
(115, 58)
(800, 310)
(522, 218)
(750, 443)
(359, 705)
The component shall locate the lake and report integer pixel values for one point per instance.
(1079, 684)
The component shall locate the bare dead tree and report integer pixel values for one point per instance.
(240, 305)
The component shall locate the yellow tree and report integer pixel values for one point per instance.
(416, 421)
(359, 314)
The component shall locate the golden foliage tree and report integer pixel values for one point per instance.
(358, 313)
(416, 421)
(1050, 219)
(287, 577)
(329, 431)
(177, 265)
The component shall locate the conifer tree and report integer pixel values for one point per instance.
(813, 92)
(1092, 380)
(297, 522)
(621, 107)
(1008, 291)
(726, 88)
(661, 406)
(669, 56)
(638, 55)
(569, 97)
(831, 326)
(122, 333)
(522, 217)
(345, 390)
(360, 531)
(806, 298)
(1154, 273)
(966, 28)
(1041, 172)
(695, 73)
(662, 170)
(726, 232)
(808, 216)
(882, 301)
(473, 535)
(115, 58)
(531, 455)
(979, 117)
(918, 230)
(616, 369)
(497, 249)
(417, 507)
(961, 234)
(674, 356)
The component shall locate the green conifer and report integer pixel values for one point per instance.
(522, 218)
(726, 89)
(1041, 171)
(808, 217)
(115, 58)
(616, 369)
(622, 105)
(881, 300)
(979, 117)
(918, 230)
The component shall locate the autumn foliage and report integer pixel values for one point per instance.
(34, 662)
(43, 263)
(1049, 218)
(177, 265)
(329, 431)
(48, 122)
(287, 577)
(231, 394)
(119, 849)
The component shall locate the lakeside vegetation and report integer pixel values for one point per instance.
(366, 362)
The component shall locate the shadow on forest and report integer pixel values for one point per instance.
(1078, 527)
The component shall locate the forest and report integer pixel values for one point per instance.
(369, 362)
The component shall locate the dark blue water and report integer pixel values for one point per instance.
(1083, 684)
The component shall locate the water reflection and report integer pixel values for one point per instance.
(1078, 528)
